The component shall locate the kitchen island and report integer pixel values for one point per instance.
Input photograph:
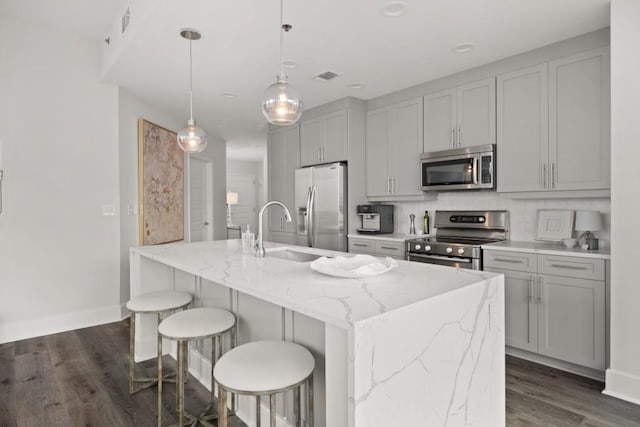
(421, 345)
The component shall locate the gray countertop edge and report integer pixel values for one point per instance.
(545, 248)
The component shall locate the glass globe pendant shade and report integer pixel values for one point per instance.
(282, 103)
(192, 138)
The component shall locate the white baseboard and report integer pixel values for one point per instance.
(623, 386)
(24, 329)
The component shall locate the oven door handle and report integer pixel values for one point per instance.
(444, 258)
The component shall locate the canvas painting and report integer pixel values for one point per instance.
(160, 185)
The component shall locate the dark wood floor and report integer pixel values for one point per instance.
(80, 378)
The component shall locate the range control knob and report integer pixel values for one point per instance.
(418, 247)
(449, 250)
(460, 251)
(427, 248)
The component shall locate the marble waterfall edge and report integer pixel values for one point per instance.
(444, 356)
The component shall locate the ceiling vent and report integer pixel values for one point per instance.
(126, 19)
(325, 77)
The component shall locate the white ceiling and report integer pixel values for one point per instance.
(238, 52)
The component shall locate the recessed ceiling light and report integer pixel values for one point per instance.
(229, 95)
(357, 85)
(463, 48)
(394, 8)
(290, 63)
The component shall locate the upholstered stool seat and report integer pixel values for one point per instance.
(265, 368)
(189, 325)
(159, 303)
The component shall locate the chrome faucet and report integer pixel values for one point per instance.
(259, 248)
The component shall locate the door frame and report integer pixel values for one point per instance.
(209, 196)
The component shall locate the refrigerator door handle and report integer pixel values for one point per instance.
(311, 214)
(306, 217)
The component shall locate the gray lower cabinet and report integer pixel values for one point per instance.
(559, 315)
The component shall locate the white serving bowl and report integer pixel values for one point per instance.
(570, 242)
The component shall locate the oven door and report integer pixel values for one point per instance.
(469, 263)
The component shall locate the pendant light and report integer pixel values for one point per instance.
(282, 104)
(192, 138)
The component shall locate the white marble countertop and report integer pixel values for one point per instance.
(545, 248)
(393, 237)
(293, 285)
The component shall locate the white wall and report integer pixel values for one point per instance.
(130, 110)
(522, 213)
(58, 253)
(623, 377)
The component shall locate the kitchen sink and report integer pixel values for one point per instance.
(292, 255)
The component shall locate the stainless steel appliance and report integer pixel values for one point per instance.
(458, 237)
(320, 203)
(375, 219)
(470, 168)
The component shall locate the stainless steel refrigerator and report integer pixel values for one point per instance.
(320, 203)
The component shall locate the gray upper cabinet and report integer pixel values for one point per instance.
(283, 159)
(523, 136)
(553, 125)
(460, 117)
(579, 121)
(324, 139)
(393, 147)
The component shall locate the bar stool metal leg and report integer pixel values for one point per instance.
(132, 350)
(296, 406)
(222, 407)
(258, 417)
(310, 400)
(159, 362)
(272, 410)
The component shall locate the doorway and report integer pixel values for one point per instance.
(200, 200)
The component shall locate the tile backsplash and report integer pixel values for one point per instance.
(522, 213)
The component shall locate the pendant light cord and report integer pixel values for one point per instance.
(281, 36)
(190, 83)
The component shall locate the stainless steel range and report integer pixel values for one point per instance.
(458, 237)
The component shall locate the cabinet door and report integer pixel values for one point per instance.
(405, 147)
(334, 137)
(521, 309)
(439, 120)
(291, 153)
(377, 137)
(275, 165)
(476, 113)
(579, 122)
(571, 320)
(523, 136)
(310, 142)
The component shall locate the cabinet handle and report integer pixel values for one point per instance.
(388, 248)
(570, 267)
(362, 245)
(459, 137)
(544, 176)
(513, 261)
(453, 137)
(530, 289)
(539, 289)
(553, 184)
(393, 188)
(388, 185)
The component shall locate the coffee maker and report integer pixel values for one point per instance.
(375, 219)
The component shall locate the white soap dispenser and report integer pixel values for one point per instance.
(248, 240)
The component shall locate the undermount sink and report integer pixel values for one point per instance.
(292, 255)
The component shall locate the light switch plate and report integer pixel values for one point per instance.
(108, 210)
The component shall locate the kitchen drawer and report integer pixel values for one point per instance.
(392, 249)
(363, 246)
(582, 268)
(517, 261)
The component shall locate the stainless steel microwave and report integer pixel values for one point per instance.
(470, 168)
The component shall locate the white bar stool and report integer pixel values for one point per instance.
(265, 368)
(158, 303)
(189, 325)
